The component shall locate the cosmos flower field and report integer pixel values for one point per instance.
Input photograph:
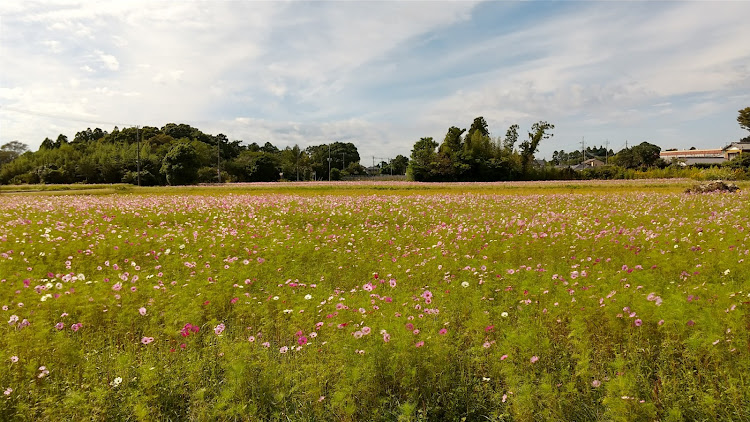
(572, 306)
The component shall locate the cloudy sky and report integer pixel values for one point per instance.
(378, 74)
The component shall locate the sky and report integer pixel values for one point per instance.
(378, 74)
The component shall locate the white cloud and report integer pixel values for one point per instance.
(109, 61)
(381, 73)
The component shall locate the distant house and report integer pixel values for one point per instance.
(588, 164)
(694, 156)
(592, 162)
(736, 148)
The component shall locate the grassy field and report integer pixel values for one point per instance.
(370, 188)
(387, 301)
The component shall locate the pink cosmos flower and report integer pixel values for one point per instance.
(251, 339)
(302, 341)
(147, 340)
(366, 330)
(638, 322)
(596, 383)
(219, 329)
(503, 357)
(386, 337)
(14, 359)
(392, 282)
(76, 326)
(534, 359)
(59, 326)
(283, 349)
(142, 310)
(420, 344)
(443, 331)
(487, 345)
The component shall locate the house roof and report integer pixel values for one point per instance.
(692, 153)
(737, 146)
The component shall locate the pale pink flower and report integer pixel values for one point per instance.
(596, 383)
(142, 310)
(147, 340)
(283, 349)
(14, 359)
(534, 359)
(219, 329)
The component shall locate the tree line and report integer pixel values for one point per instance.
(177, 154)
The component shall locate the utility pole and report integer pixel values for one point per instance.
(218, 158)
(343, 162)
(583, 151)
(606, 151)
(138, 153)
(329, 162)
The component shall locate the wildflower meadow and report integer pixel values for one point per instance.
(622, 305)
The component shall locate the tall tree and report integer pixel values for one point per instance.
(479, 125)
(422, 158)
(452, 143)
(529, 147)
(511, 137)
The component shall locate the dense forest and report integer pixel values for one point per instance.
(177, 154)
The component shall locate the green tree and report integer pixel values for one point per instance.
(744, 118)
(538, 132)
(422, 158)
(11, 151)
(180, 165)
(479, 125)
(511, 137)
(399, 164)
(640, 156)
